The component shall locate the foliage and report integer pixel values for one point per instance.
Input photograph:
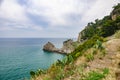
(68, 59)
(40, 71)
(95, 75)
(57, 72)
(117, 6)
(104, 27)
(90, 57)
(109, 28)
(32, 73)
(117, 34)
(105, 71)
(86, 45)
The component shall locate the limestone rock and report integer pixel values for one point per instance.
(79, 39)
(49, 47)
(115, 13)
(68, 46)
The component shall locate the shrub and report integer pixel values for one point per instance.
(95, 75)
(117, 6)
(90, 57)
(117, 34)
(86, 45)
(105, 71)
(32, 73)
(40, 71)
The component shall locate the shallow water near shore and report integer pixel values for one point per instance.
(18, 56)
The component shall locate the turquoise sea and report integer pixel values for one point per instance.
(18, 56)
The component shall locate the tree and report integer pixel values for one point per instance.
(108, 28)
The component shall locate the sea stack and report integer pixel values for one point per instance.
(68, 47)
(49, 47)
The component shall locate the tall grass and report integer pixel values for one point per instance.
(117, 34)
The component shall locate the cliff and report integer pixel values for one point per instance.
(116, 12)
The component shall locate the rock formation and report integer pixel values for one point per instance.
(79, 39)
(49, 47)
(115, 13)
(68, 47)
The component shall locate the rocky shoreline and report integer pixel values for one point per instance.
(68, 47)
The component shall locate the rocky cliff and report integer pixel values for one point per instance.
(116, 12)
(68, 47)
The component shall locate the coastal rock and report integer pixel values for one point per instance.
(80, 38)
(68, 47)
(49, 47)
(115, 13)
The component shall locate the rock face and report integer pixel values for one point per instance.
(49, 47)
(68, 47)
(79, 39)
(115, 14)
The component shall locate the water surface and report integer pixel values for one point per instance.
(18, 56)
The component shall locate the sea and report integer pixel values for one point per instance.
(19, 56)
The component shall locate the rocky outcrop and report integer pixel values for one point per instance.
(68, 47)
(115, 13)
(49, 47)
(79, 39)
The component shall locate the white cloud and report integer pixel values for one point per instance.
(98, 9)
(11, 10)
(13, 16)
(64, 17)
(55, 11)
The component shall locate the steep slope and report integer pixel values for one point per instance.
(104, 27)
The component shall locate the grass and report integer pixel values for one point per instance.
(96, 75)
(89, 57)
(117, 34)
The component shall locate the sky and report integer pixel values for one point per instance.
(50, 18)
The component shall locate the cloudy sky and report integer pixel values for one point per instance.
(50, 18)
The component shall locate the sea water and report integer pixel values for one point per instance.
(18, 56)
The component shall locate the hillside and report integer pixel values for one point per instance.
(104, 27)
(96, 58)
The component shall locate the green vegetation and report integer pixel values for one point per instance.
(95, 75)
(32, 73)
(90, 57)
(86, 45)
(117, 34)
(104, 27)
(117, 6)
(92, 48)
(37, 73)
